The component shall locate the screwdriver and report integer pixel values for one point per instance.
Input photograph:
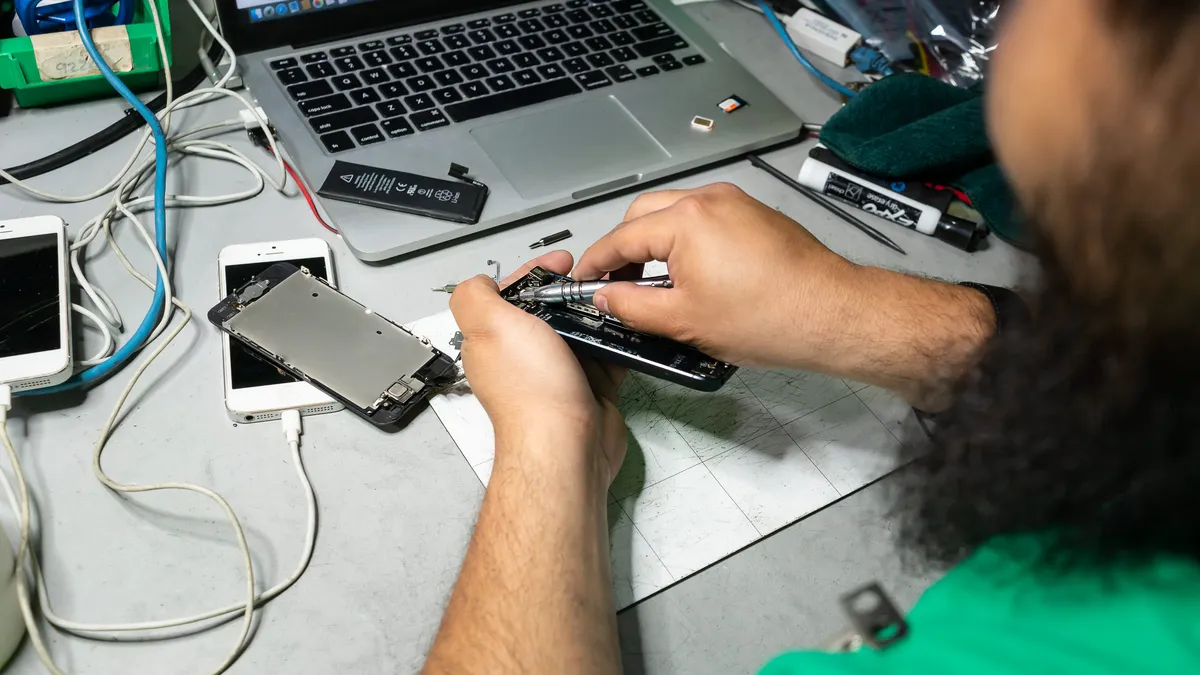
(582, 291)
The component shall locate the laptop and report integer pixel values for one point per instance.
(549, 104)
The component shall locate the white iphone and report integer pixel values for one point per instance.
(256, 391)
(35, 306)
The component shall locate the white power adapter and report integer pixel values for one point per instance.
(823, 37)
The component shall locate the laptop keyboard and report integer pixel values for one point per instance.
(412, 82)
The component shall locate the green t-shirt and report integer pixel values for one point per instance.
(991, 615)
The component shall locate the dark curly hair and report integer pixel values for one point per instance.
(1083, 426)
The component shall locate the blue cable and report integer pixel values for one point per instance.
(791, 45)
(38, 18)
(870, 60)
(142, 334)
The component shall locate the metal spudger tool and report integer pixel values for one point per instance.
(582, 291)
(820, 201)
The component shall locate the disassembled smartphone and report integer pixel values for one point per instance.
(300, 323)
(35, 303)
(605, 338)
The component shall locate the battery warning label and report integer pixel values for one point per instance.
(871, 201)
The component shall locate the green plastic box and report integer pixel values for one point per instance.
(20, 73)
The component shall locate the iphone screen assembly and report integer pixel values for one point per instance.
(35, 307)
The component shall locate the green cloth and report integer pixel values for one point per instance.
(991, 615)
(918, 128)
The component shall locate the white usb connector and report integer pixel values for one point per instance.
(822, 36)
(292, 427)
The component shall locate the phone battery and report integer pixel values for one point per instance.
(459, 202)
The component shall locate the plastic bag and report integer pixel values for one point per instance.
(949, 39)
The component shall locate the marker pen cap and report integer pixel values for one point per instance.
(960, 233)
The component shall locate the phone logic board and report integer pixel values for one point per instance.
(605, 338)
(301, 324)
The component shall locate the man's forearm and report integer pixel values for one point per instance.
(913, 336)
(534, 594)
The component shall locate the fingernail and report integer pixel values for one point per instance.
(601, 303)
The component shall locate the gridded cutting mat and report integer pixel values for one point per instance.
(708, 474)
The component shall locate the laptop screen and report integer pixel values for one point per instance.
(258, 10)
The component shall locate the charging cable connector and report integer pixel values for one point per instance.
(292, 427)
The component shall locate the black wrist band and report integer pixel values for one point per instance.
(1011, 310)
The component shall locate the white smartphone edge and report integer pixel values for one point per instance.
(53, 366)
(263, 404)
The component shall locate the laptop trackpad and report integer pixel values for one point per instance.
(569, 147)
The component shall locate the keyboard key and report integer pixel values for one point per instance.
(346, 82)
(576, 66)
(320, 70)
(652, 32)
(402, 70)
(504, 18)
(302, 92)
(343, 51)
(377, 59)
(525, 60)
(393, 90)
(626, 6)
(453, 29)
(456, 59)
(553, 9)
(374, 76)
(556, 36)
(661, 45)
(315, 57)
(429, 47)
(430, 119)
(447, 96)
(598, 44)
(371, 46)
(337, 142)
(475, 89)
(500, 83)
(624, 54)
(365, 96)
(603, 26)
(349, 64)
(671, 65)
(524, 78)
(600, 60)
(482, 53)
(425, 34)
(576, 4)
(621, 73)
(391, 109)
(284, 64)
(507, 32)
(579, 16)
(478, 23)
(625, 21)
(457, 42)
(551, 71)
(397, 128)
(594, 80)
(501, 66)
(508, 47)
(551, 54)
(664, 58)
(622, 39)
(448, 77)
(421, 83)
(324, 105)
(532, 26)
(511, 100)
(529, 13)
(397, 40)
(648, 16)
(292, 76)
(429, 64)
(601, 12)
(574, 49)
(482, 36)
(405, 52)
(474, 71)
(579, 32)
(532, 42)
(420, 102)
(554, 21)
(368, 134)
(693, 60)
(343, 120)
(647, 71)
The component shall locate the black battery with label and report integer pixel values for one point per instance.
(458, 201)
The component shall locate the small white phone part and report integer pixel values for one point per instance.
(35, 306)
(256, 391)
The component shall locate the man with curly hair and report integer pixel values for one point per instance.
(1060, 483)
